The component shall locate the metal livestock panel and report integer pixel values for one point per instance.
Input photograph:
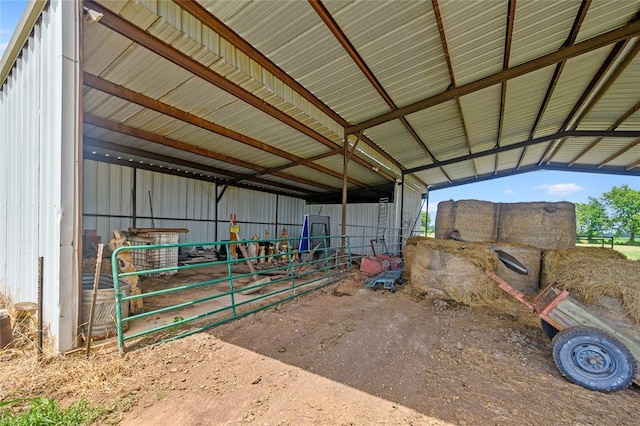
(40, 179)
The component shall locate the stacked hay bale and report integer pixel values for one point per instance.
(450, 269)
(543, 225)
(602, 278)
(540, 224)
(475, 220)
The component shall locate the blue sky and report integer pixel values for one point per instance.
(10, 13)
(540, 185)
(534, 186)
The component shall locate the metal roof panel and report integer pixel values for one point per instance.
(540, 28)
(475, 33)
(522, 103)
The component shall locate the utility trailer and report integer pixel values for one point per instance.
(587, 350)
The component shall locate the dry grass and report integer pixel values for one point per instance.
(594, 272)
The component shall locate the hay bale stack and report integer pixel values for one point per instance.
(543, 225)
(451, 269)
(476, 220)
(594, 274)
(530, 257)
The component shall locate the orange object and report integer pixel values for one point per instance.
(234, 231)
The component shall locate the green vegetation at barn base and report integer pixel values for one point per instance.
(43, 411)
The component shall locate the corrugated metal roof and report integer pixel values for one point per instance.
(475, 35)
(523, 100)
(276, 42)
(540, 28)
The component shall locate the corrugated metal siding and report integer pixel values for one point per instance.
(236, 65)
(38, 108)
(177, 202)
(394, 138)
(604, 149)
(412, 208)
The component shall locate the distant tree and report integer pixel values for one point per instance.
(624, 204)
(425, 222)
(592, 218)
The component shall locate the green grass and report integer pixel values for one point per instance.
(632, 252)
(43, 411)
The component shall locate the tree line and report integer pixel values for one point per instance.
(615, 214)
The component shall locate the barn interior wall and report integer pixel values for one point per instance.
(362, 220)
(167, 201)
(38, 174)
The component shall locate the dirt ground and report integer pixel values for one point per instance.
(344, 355)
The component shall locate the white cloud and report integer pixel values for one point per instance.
(509, 191)
(560, 188)
(3, 47)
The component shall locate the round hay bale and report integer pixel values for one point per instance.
(530, 257)
(452, 270)
(539, 224)
(590, 273)
(475, 220)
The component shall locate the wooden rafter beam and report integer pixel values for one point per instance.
(160, 107)
(622, 33)
(136, 34)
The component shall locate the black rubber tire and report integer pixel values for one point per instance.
(548, 330)
(593, 359)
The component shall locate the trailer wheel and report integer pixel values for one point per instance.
(593, 359)
(548, 330)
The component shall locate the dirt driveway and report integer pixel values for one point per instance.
(349, 355)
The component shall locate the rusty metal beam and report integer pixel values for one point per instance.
(618, 153)
(158, 106)
(355, 56)
(632, 165)
(614, 126)
(542, 139)
(590, 96)
(622, 33)
(452, 79)
(168, 52)
(208, 19)
(508, 37)
(124, 129)
(571, 39)
(296, 190)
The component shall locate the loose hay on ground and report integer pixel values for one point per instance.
(591, 273)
